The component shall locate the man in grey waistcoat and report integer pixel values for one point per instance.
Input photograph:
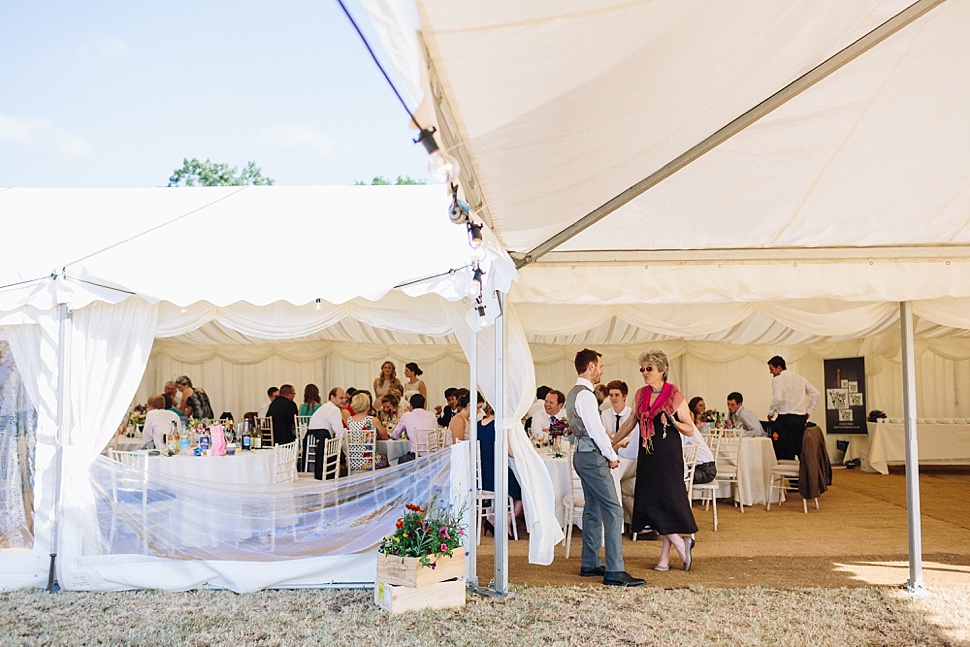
(593, 459)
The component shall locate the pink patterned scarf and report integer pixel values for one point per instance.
(666, 401)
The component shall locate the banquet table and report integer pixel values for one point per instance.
(254, 467)
(757, 459)
(393, 449)
(938, 444)
(559, 471)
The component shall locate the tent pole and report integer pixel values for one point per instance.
(473, 462)
(915, 582)
(63, 317)
(501, 585)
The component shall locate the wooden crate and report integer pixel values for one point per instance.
(440, 595)
(408, 571)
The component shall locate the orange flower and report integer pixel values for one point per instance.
(400, 523)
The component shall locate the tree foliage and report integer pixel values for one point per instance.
(208, 173)
(381, 180)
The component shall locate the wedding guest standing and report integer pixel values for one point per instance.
(593, 459)
(195, 401)
(414, 384)
(387, 381)
(789, 393)
(660, 501)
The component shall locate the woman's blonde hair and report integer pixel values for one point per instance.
(656, 357)
(360, 403)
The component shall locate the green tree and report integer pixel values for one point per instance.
(208, 173)
(380, 180)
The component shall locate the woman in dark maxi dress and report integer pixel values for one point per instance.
(660, 499)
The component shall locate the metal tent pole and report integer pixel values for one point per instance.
(63, 319)
(915, 583)
(472, 461)
(500, 504)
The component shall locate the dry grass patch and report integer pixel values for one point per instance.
(534, 616)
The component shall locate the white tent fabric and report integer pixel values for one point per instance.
(249, 276)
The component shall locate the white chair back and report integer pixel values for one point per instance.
(285, 462)
(264, 427)
(331, 457)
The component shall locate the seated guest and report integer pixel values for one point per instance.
(172, 391)
(537, 407)
(388, 414)
(195, 401)
(451, 397)
(282, 410)
(363, 419)
(170, 405)
(311, 400)
(742, 417)
(325, 423)
(697, 409)
(417, 418)
(553, 408)
(705, 470)
(486, 442)
(460, 422)
(271, 394)
(158, 423)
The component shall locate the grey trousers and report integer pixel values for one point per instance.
(602, 514)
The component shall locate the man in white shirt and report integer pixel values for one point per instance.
(593, 459)
(418, 418)
(788, 394)
(552, 408)
(625, 475)
(538, 407)
(271, 393)
(743, 418)
(326, 422)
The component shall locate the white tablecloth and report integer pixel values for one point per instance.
(255, 467)
(393, 449)
(558, 469)
(757, 459)
(940, 444)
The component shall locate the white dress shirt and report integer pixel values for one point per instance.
(327, 417)
(541, 421)
(704, 453)
(588, 409)
(788, 392)
(538, 408)
(632, 448)
(263, 409)
(158, 423)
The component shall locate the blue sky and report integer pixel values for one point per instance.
(109, 93)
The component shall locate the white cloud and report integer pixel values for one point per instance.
(291, 135)
(36, 131)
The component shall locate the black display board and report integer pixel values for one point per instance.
(845, 396)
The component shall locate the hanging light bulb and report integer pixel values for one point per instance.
(317, 306)
(442, 165)
(474, 289)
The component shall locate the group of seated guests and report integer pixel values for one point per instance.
(740, 417)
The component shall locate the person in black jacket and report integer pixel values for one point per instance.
(282, 410)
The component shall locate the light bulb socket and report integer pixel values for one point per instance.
(426, 139)
(474, 233)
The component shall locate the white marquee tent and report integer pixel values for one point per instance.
(722, 181)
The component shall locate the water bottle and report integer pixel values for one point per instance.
(173, 438)
(247, 439)
(204, 441)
